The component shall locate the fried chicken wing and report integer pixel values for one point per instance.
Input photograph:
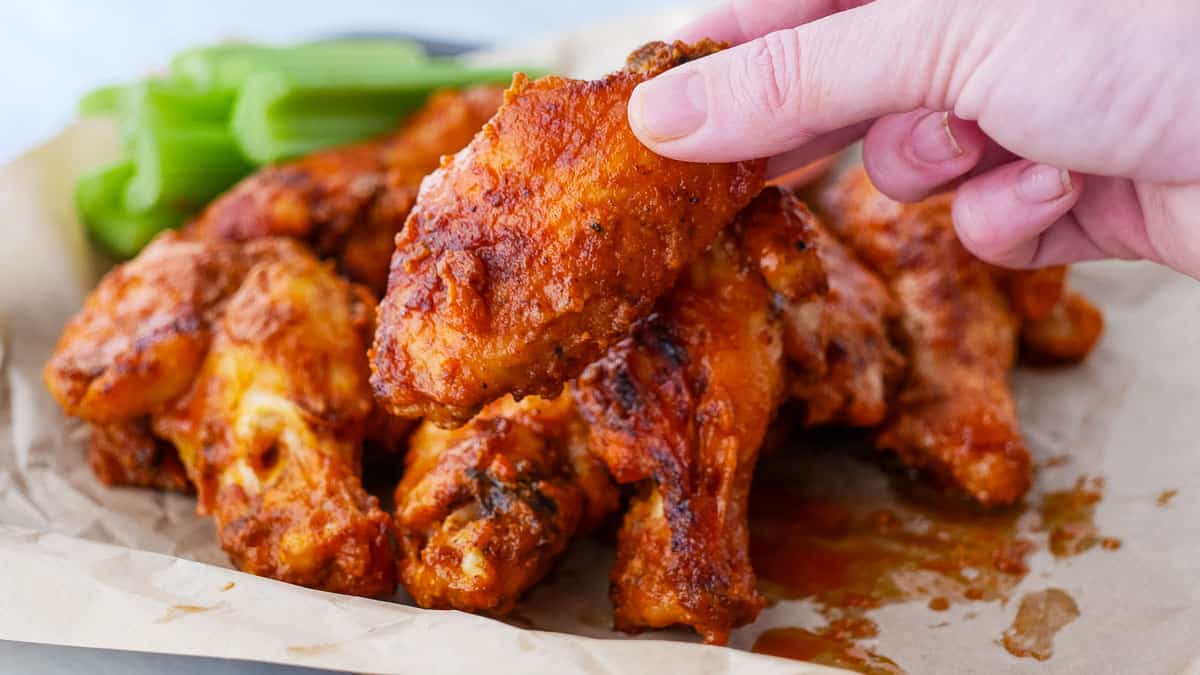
(541, 243)
(484, 510)
(1033, 293)
(350, 202)
(954, 415)
(143, 332)
(681, 409)
(128, 453)
(849, 329)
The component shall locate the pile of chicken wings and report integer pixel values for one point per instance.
(551, 325)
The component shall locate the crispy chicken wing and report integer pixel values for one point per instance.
(682, 407)
(484, 510)
(143, 332)
(954, 415)
(541, 243)
(272, 427)
(350, 202)
(849, 329)
(128, 453)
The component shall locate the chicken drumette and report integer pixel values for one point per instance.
(681, 408)
(541, 243)
(484, 510)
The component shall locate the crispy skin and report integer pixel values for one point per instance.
(1066, 334)
(858, 366)
(484, 510)
(143, 332)
(350, 202)
(540, 244)
(681, 409)
(272, 427)
(954, 415)
(128, 453)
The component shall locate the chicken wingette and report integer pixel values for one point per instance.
(350, 202)
(681, 409)
(484, 510)
(541, 243)
(842, 364)
(954, 414)
(250, 359)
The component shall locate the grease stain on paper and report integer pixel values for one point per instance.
(1039, 618)
(180, 611)
(313, 650)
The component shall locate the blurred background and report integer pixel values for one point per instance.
(52, 51)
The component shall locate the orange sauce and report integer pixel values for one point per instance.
(803, 645)
(1039, 618)
(849, 537)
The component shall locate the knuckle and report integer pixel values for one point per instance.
(769, 80)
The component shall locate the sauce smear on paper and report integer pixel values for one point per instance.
(803, 645)
(850, 538)
(1040, 617)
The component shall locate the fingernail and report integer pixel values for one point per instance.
(1040, 183)
(933, 141)
(670, 106)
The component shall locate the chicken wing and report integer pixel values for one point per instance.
(847, 333)
(350, 202)
(272, 427)
(128, 453)
(541, 243)
(954, 415)
(143, 332)
(681, 409)
(484, 510)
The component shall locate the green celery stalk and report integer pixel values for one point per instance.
(169, 103)
(102, 100)
(279, 115)
(226, 67)
(99, 200)
(182, 167)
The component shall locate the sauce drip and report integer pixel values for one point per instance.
(841, 533)
(803, 645)
(1040, 617)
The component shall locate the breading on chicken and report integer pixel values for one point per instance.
(850, 329)
(128, 453)
(350, 202)
(541, 243)
(272, 427)
(142, 333)
(954, 415)
(1032, 293)
(681, 408)
(483, 511)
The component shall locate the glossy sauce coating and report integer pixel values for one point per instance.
(541, 243)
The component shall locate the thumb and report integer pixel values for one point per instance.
(778, 91)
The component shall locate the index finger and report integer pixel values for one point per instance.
(743, 20)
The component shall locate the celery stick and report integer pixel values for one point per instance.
(226, 67)
(101, 100)
(182, 167)
(279, 115)
(98, 199)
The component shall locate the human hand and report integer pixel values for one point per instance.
(1071, 129)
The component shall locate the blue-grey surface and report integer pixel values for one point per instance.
(51, 51)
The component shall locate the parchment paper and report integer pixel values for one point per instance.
(85, 565)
